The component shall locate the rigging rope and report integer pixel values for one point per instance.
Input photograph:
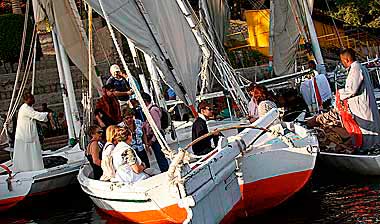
(161, 140)
(12, 110)
(19, 63)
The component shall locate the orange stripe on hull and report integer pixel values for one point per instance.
(8, 203)
(170, 214)
(268, 193)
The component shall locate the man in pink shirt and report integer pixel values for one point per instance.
(156, 113)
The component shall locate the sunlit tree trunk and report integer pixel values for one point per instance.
(16, 7)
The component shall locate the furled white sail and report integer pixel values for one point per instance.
(64, 14)
(159, 29)
(288, 26)
(215, 15)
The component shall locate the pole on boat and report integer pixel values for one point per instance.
(34, 63)
(74, 113)
(161, 140)
(90, 78)
(66, 103)
(271, 32)
(70, 91)
(313, 35)
(155, 80)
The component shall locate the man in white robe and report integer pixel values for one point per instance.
(361, 100)
(27, 148)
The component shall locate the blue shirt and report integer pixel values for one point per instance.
(121, 85)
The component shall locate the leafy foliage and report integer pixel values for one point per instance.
(354, 12)
(11, 27)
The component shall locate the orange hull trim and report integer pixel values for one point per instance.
(261, 195)
(9, 203)
(257, 197)
(170, 214)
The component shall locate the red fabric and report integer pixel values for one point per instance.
(348, 121)
(319, 98)
(110, 106)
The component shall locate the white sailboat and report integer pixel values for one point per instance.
(18, 186)
(269, 171)
(368, 165)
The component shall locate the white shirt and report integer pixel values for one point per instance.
(26, 123)
(252, 108)
(124, 172)
(308, 92)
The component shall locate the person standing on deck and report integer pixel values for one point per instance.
(122, 89)
(200, 128)
(361, 101)
(152, 142)
(27, 149)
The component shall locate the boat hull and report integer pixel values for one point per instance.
(207, 192)
(24, 185)
(353, 164)
(266, 183)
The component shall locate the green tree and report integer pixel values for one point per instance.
(11, 26)
(354, 12)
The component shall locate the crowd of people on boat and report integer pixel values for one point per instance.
(121, 138)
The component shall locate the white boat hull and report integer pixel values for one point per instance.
(212, 190)
(27, 184)
(269, 172)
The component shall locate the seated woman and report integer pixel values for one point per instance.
(128, 166)
(106, 164)
(264, 99)
(138, 134)
(93, 151)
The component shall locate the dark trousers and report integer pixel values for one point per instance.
(144, 157)
(160, 157)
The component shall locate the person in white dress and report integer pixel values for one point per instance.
(128, 166)
(27, 148)
(107, 164)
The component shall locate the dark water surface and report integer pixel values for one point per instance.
(328, 198)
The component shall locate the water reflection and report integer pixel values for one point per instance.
(328, 198)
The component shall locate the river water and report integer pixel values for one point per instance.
(328, 198)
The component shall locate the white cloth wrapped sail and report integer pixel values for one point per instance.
(27, 148)
(287, 30)
(172, 35)
(65, 16)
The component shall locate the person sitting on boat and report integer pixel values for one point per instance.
(152, 142)
(27, 147)
(106, 163)
(200, 128)
(107, 109)
(129, 167)
(93, 150)
(138, 134)
(264, 99)
(252, 106)
(122, 89)
(316, 90)
(361, 119)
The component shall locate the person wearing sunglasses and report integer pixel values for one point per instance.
(200, 128)
(93, 150)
